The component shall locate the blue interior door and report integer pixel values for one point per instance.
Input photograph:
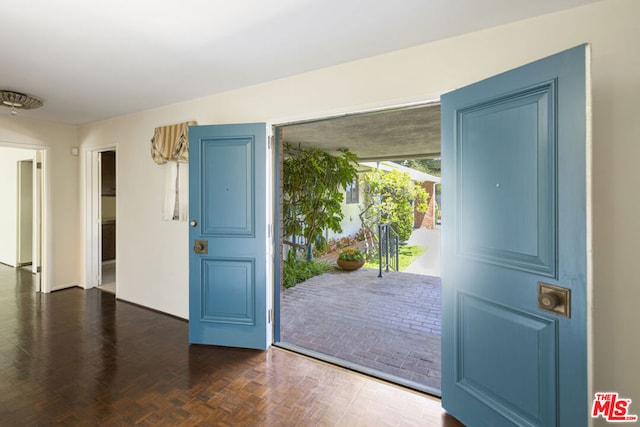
(228, 235)
(514, 192)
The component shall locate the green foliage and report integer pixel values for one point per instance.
(430, 166)
(408, 254)
(351, 255)
(313, 185)
(297, 270)
(391, 194)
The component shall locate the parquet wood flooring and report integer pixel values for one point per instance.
(77, 357)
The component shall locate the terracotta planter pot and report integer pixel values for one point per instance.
(350, 265)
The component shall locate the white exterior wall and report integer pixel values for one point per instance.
(350, 223)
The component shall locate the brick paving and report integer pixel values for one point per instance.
(389, 324)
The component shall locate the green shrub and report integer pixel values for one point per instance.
(390, 201)
(298, 270)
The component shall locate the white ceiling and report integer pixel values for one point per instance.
(91, 60)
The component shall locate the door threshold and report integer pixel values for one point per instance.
(403, 382)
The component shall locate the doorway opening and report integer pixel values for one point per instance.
(21, 189)
(386, 327)
(101, 218)
(108, 220)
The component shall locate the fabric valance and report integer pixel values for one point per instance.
(171, 143)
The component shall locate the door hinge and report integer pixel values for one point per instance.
(38, 165)
(270, 316)
(38, 269)
(269, 228)
(270, 142)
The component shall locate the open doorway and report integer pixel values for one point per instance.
(108, 196)
(21, 216)
(389, 327)
(101, 221)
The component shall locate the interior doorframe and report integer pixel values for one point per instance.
(93, 214)
(43, 242)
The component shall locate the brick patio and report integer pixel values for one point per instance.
(389, 324)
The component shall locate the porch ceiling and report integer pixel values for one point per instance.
(396, 134)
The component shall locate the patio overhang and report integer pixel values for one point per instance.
(393, 134)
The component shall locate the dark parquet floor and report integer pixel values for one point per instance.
(77, 357)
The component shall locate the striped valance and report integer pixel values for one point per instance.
(171, 143)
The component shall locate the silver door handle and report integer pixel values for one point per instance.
(193, 223)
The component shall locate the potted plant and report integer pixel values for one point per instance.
(350, 259)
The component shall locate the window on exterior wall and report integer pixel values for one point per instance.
(353, 195)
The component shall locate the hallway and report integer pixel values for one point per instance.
(77, 357)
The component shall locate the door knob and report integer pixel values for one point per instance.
(193, 223)
(548, 301)
(554, 299)
(201, 246)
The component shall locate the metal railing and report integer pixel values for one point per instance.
(388, 248)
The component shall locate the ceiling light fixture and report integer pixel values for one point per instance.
(18, 101)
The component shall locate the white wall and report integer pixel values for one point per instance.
(61, 202)
(152, 254)
(9, 158)
(351, 223)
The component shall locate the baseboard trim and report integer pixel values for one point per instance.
(65, 286)
(152, 309)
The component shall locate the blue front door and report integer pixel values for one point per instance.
(228, 235)
(514, 192)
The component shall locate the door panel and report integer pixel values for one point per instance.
(514, 181)
(227, 201)
(523, 352)
(228, 191)
(519, 230)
